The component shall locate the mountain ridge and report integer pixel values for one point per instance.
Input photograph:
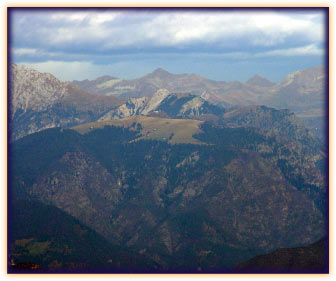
(175, 105)
(39, 100)
(260, 81)
(207, 202)
(194, 96)
(302, 91)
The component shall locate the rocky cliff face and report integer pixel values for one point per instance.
(162, 102)
(32, 90)
(39, 101)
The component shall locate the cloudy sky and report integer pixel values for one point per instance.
(219, 44)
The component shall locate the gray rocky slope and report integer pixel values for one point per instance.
(166, 104)
(38, 101)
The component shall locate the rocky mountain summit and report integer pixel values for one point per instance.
(165, 104)
(39, 101)
(303, 91)
(257, 90)
(147, 85)
(32, 90)
(34, 94)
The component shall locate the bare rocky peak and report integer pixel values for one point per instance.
(39, 101)
(193, 105)
(162, 100)
(155, 100)
(34, 90)
(306, 78)
(137, 106)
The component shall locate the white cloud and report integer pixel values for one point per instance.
(100, 18)
(299, 51)
(79, 16)
(69, 16)
(138, 29)
(259, 28)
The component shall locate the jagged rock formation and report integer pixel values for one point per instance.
(32, 90)
(39, 101)
(172, 105)
(137, 106)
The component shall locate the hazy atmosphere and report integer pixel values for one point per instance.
(128, 43)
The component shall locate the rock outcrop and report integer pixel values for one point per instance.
(38, 101)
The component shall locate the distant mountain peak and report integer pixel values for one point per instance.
(258, 80)
(159, 72)
(105, 78)
(308, 77)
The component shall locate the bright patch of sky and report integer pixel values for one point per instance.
(221, 44)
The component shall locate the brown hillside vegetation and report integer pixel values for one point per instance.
(171, 130)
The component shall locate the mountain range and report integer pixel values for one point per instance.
(302, 91)
(40, 101)
(173, 173)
